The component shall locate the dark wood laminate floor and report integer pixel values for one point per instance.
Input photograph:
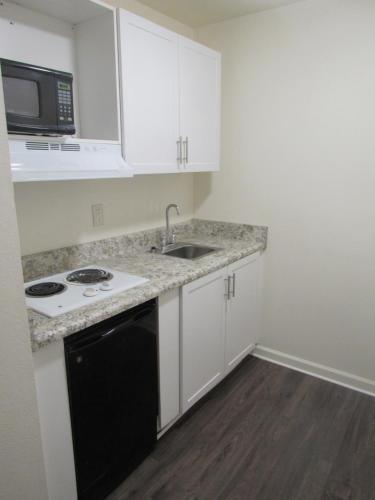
(266, 433)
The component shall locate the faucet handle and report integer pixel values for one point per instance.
(163, 240)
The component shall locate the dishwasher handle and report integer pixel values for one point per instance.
(101, 333)
(97, 338)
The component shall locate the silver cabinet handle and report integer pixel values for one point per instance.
(234, 285)
(186, 150)
(179, 150)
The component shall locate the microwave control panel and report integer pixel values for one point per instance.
(65, 112)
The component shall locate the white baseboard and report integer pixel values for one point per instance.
(344, 379)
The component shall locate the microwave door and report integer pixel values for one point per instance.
(30, 101)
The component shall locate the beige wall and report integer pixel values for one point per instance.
(21, 462)
(56, 214)
(298, 154)
(53, 215)
(153, 15)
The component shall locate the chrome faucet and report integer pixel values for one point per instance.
(169, 238)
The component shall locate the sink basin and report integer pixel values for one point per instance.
(189, 251)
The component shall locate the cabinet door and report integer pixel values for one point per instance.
(149, 83)
(242, 310)
(200, 75)
(169, 357)
(202, 336)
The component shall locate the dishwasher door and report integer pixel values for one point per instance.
(113, 392)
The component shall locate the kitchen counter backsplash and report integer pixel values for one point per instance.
(130, 253)
(42, 264)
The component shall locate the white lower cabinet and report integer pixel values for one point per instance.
(202, 336)
(219, 326)
(242, 326)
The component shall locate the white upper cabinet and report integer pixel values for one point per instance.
(149, 81)
(170, 99)
(200, 106)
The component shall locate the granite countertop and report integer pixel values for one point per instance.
(164, 272)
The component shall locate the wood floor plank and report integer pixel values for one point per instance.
(202, 431)
(266, 433)
(353, 474)
(301, 443)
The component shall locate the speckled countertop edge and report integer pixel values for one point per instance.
(164, 273)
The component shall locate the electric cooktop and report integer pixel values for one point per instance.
(71, 290)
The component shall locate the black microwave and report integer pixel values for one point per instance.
(37, 100)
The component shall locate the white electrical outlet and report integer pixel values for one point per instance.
(97, 214)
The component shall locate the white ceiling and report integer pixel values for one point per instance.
(197, 13)
(66, 10)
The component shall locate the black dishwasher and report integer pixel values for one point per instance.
(113, 394)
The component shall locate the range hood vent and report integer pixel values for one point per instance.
(37, 146)
(70, 147)
(72, 159)
(45, 146)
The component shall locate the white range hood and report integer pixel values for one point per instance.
(49, 159)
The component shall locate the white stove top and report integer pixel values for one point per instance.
(76, 295)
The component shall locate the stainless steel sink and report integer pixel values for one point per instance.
(189, 251)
